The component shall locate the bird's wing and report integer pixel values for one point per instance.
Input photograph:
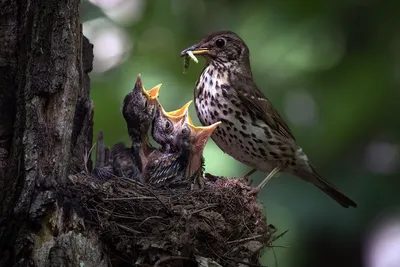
(165, 171)
(117, 149)
(126, 161)
(103, 173)
(256, 103)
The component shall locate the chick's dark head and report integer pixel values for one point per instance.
(167, 126)
(138, 109)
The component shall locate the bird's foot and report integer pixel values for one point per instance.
(248, 180)
(247, 177)
(210, 177)
(254, 192)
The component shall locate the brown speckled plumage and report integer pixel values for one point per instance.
(252, 130)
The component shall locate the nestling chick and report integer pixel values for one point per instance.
(199, 136)
(124, 163)
(138, 110)
(165, 123)
(164, 131)
(168, 168)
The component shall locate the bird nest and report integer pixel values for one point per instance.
(220, 225)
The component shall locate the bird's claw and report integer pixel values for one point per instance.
(254, 191)
(248, 180)
(210, 177)
(247, 177)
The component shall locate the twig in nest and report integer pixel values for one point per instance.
(278, 236)
(129, 198)
(151, 217)
(203, 209)
(215, 254)
(148, 190)
(243, 262)
(244, 239)
(159, 200)
(172, 258)
(128, 229)
(278, 246)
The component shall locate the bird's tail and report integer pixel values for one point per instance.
(313, 177)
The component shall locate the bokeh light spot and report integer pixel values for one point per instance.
(383, 244)
(121, 11)
(381, 157)
(111, 44)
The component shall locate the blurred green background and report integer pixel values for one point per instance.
(332, 69)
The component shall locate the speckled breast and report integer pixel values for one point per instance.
(238, 136)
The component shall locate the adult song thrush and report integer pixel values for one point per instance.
(252, 130)
(138, 110)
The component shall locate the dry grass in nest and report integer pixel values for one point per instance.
(144, 226)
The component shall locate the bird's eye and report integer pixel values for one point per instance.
(220, 43)
(167, 125)
(184, 131)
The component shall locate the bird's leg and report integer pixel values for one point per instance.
(247, 177)
(270, 175)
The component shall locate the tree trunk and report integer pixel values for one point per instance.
(45, 131)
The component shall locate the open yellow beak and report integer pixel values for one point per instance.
(201, 134)
(180, 112)
(152, 94)
(175, 116)
(205, 130)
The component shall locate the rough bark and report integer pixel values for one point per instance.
(45, 131)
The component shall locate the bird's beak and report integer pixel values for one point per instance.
(202, 134)
(152, 94)
(196, 50)
(180, 112)
(139, 83)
